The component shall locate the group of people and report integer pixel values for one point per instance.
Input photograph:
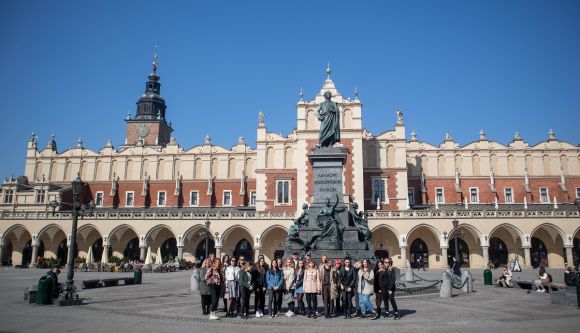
(298, 282)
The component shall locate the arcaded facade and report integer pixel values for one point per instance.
(512, 201)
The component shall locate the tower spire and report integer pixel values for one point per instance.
(155, 62)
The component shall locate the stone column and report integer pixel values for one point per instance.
(142, 253)
(404, 255)
(218, 251)
(180, 252)
(444, 257)
(105, 253)
(528, 257)
(485, 250)
(257, 253)
(569, 256)
(34, 255)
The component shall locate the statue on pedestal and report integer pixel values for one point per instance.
(329, 116)
(293, 231)
(360, 223)
(326, 219)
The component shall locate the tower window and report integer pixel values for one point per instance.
(8, 196)
(99, 200)
(40, 196)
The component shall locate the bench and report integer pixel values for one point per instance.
(30, 294)
(127, 281)
(89, 284)
(110, 282)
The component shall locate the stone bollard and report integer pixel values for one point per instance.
(409, 275)
(446, 288)
(467, 287)
(195, 279)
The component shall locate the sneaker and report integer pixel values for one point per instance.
(289, 313)
(397, 317)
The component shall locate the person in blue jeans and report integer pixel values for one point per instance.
(275, 282)
(365, 286)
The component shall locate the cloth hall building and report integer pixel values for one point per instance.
(512, 200)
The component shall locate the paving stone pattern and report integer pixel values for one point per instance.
(163, 303)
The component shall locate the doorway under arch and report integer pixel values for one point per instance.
(244, 247)
(418, 248)
(498, 252)
(539, 253)
(463, 249)
(132, 250)
(169, 249)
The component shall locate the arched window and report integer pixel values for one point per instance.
(493, 162)
(250, 171)
(198, 168)
(564, 163)
(546, 164)
(145, 169)
(459, 163)
(232, 168)
(476, 166)
(511, 165)
(311, 120)
(68, 172)
(347, 119)
(214, 167)
(161, 169)
(530, 164)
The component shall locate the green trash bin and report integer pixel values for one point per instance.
(44, 292)
(487, 277)
(137, 274)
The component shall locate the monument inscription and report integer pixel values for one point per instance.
(327, 183)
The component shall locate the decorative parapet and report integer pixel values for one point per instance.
(475, 214)
(147, 214)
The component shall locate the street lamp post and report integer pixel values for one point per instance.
(456, 235)
(207, 223)
(69, 296)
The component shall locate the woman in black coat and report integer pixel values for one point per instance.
(387, 285)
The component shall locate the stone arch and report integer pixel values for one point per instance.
(84, 172)
(193, 239)
(475, 164)
(52, 236)
(512, 238)
(68, 171)
(250, 171)
(17, 237)
(546, 164)
(471, 238)
(99, 170)
(158, 235)
(119, 239)
(87, 235)
(459, 163)
(270, 157)
(347, 118)
(371, 158)
(440, 165)
(430, 235)
(391, 156)
(231, 236)
(553, 238)
(311, 119)
(54, 171)
(288, 158)
(386, 242)
(39, 170)
(160, 169)
(511, 161)
(197, 166)
(232, 170)
(272, 241)
(576, 247)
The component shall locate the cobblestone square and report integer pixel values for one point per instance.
(164, 303)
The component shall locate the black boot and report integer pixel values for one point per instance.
(378, 315)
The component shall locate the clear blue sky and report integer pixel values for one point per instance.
(77, 67)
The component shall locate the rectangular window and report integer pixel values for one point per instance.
(227, 199)
(283, 192)
(379, 189)
(194, 198)
(411, 195)
(509, 197)
(578, 192)
(129, 196)
(161, 199)
(439, 195)
(8, 196)
(40, 196)
(99, 199)
(474, 194)
(544, 197)
(252, 198)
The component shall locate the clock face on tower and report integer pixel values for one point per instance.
(142, 130)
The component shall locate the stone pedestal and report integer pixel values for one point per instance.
(327, 184)
(446, 290)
